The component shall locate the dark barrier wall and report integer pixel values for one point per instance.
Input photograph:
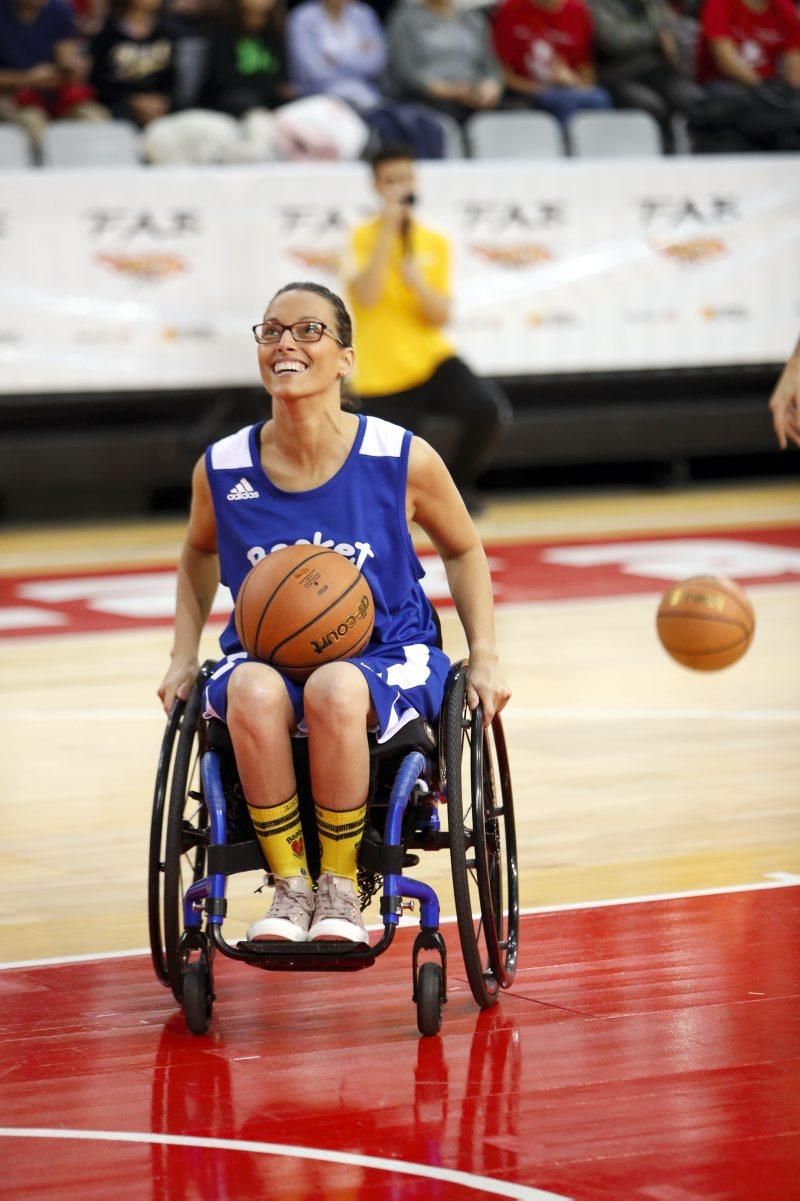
(132, 454)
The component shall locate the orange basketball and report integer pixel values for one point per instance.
(705, 623)
(302, 606)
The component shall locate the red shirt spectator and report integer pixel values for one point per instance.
(761, 33)
(532, 39)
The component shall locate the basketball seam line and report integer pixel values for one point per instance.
(718, 619)
(319, 551)
(721, 650)
(317, 617)
(238, 604)
(345, 653)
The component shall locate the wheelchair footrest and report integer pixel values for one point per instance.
(309, 956)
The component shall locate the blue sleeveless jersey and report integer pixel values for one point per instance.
(360, 512)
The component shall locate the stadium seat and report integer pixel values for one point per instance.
(15, 148)
(453, 137)
(614, 134)
(90, 144)
(514, 135)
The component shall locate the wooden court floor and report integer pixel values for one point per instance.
(648, 1049)
(632, 775)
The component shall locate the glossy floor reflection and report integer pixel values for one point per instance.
(647, 1052)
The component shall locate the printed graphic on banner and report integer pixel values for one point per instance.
(148, 267)
(558, 266)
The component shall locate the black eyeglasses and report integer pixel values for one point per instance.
(268, 333)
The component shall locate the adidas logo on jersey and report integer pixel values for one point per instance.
(243, 491)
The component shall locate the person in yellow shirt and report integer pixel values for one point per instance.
(399, 288)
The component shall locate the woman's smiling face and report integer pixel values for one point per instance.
(291, 368)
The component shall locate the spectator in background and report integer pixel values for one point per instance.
(188, 18)
(90, 15)
(337, 47)
(443, 56)
(133, 56)
(247, 58)
(750, 60)
(545, 50)
(747, 41)
(398, 277)
(43, 66)
(639, 60)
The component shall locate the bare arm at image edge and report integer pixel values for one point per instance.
(785, 402)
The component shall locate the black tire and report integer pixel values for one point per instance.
(186, 835)
(496, 848)
(155, 868)
(198, 998)
(430, 998)
(482, 842)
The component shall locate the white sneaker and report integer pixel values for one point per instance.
(337, 916)
(289, 915)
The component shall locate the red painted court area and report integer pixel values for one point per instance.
(135, 598)
(647, 1052)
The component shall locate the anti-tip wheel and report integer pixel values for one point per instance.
(198, 998)
(430, 998)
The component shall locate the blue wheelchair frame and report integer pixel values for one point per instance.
(183, 961)
(207, 896)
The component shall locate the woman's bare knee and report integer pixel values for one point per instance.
(257, 696)
(336, 693)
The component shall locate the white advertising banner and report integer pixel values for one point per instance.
(147, 279)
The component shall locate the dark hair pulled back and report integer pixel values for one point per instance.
(344, 324)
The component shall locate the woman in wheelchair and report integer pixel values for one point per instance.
(318, 473)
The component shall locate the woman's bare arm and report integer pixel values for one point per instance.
(198, 579)
(437, 507)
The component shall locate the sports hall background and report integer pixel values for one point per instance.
(650, 1048)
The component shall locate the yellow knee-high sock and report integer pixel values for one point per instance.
(280, 834)
(339, 839)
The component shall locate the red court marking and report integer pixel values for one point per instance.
(136, 598)
(647, 1052)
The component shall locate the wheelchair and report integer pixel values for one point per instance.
(201, 834)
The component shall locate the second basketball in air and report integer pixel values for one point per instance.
(705, 623)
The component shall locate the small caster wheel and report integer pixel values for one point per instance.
(430, 999)
(198, 998)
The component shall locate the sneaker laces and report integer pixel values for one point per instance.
(336, 900)
(290, 904)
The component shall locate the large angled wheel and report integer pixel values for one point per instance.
(178, 837)
(483, 851)
(155, 868)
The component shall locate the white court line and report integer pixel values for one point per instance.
(779, 880)
(397, 1167)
